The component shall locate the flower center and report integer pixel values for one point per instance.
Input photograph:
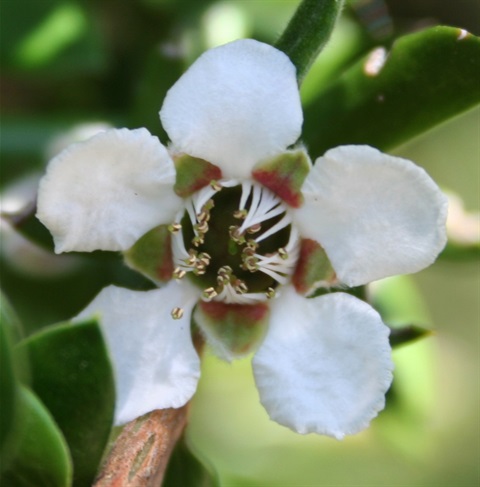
(235, 241)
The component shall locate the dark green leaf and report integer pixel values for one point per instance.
(407, 334)
(71, 373)
(461, 252)
(427, 78)
(9, 319)
(8, 390)
(185, 469)
(41, 457)
(308, 32)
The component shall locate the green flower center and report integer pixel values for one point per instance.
(235, 242)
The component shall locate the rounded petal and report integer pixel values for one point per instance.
(325, 364)
(237, 104)
(154, 361)
(106, 192)
(376, 215)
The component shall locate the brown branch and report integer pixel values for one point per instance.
(140, 454)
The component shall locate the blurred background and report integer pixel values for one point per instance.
(71, 68)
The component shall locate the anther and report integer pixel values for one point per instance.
(177, 313)
(202, 227)
(282, 253)
(204, 258)
(209, 293)
(250, 263)
(254, 228)
(203, 216)
(174, 228)
(198, 240)
(240, 214)
(240, 286)
(208, 205)
(215, 185)
(178, 273)
(270, 293)
(235, 234)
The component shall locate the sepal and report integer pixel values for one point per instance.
(314, 269)
(284, 175)
(193, 174)
(152, 255)
(233, 330)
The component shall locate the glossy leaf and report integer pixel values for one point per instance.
(388, 98)
(71, 373)
(186, 469)
(308, 32)
(41, 457)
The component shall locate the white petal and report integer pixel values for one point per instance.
(237, 104)
(106, 192)
(154, 361)
(325, 364)
(376, 215)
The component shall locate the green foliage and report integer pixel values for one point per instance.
(41, 456)
(406, 334)
(427, 78)
(185, 469)
(71, 373)
(308, 32)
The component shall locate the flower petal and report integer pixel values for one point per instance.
(376, 215)
(154, 361)
(237, 104)
(106, 192)
(325, 364)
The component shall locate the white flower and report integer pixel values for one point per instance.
(324, 364)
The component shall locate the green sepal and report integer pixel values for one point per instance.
(193, 174)
(314, 268)
(427, 78)
(70, 371)
(187, 470)
(284, 175)
(41, 456)
(308, 31)
(233, 330)
(152, 255)
(407, 334)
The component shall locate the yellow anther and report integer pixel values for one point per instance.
(178, 273)
(235, 234)
(174, 228)
(202, 227)
(270, 293)
(215, 185)
(283, 253)
(177, 313)
(208, 205)
(254, 228)
(250, 263)
(203, 216)
(197, 240)
(209, 293)
(240, 214)
(240, 286)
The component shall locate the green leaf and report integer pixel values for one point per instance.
(308, 32)
(71, 373)
(41, 457)
(427, 78)
(8, 390)
(185, 469)
(407, 334)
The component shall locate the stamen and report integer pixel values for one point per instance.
(254, 228)
(240, 214)
(240, 286)
(202, 227)
(209, 293)
(178, 273)
(270, 293)
(215, 185)
(198, 240)
(203, 216)
(283, 253)
(174, 228)
(235, 234)
(177, 313)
